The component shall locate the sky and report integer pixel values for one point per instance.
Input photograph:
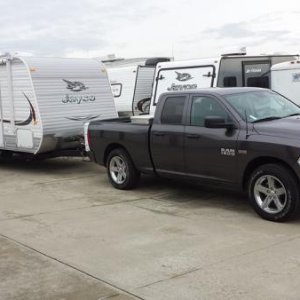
(137, 28)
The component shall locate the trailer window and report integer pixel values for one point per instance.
(173, 111)
(262, 82)
(230, 81)
(116, 89)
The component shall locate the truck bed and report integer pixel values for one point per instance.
(121, 132)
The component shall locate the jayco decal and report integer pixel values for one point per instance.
(75, 86)
(183, 76)
(296, 77)
(31, 118)
(77, 98)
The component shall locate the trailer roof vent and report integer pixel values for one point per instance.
(233, 52)
(153, 61)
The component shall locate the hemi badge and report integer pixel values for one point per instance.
(242, 152)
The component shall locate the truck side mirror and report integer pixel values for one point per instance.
(217, 122)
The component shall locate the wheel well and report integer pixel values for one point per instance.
(254, 164)
(110, 148)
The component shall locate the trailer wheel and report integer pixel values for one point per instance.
(121, 171)
(273, 192)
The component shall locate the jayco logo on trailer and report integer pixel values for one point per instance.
(183, 76)
(77, 86)
(296, 77)
(253, 70)
(182, 87)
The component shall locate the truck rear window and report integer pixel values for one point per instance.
(173, 111)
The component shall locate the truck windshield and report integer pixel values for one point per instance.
(259, 106)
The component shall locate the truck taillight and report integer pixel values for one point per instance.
(89, 137)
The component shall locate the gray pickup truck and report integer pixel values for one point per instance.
(242, 138)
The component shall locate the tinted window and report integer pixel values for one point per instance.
(262, 82)
(173, 111)
(203, 107)
(230, 81)
(260, 105)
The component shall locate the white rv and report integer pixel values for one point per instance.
(44, 102)
(229, 70)
(132, 83)
(286, 79)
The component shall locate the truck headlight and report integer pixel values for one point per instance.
(298, 161)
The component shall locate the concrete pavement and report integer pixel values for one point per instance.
(163, 240)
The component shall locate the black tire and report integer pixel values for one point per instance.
(273, 192)
(131, 174)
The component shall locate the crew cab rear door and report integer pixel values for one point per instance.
(167, 135)
(210, 153)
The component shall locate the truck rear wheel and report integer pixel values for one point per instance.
(273, 192)
(121, 171)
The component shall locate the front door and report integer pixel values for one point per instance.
(209, 152)
(257, 74)
(167, 137)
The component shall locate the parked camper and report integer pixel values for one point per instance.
(229, 70)
(44, 102)
(286, 79)
(132, 84)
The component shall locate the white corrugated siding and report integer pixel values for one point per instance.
(126, 76)
(51, 90)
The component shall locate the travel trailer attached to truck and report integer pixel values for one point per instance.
(44, 102)
(229, 70)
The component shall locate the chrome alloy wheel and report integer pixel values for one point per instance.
(118, 169)
(270, 194)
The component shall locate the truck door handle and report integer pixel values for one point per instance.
(193, 136)
(158, 133)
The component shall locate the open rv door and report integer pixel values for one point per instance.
(143, 90)
(183, 79)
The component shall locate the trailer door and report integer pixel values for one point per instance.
(257, 74)
(184, 79)
(143, 90)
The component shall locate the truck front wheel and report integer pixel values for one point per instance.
(121, 171)
(273, 192)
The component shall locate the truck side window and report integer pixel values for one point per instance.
(173, 111)
(203, 107)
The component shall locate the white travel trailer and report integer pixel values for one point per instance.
(229, 70)
(286, 80)
(132, 83)
(44, 102)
